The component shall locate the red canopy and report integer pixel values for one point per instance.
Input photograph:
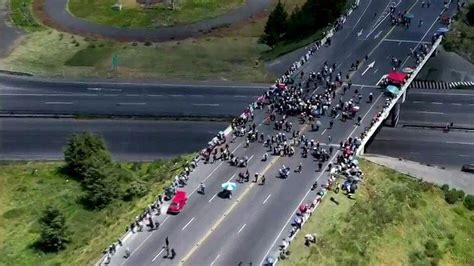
(397, 77)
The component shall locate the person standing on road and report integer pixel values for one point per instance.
(173, 253)
(263, 180)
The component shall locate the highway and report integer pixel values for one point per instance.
(215, 231)
(24, 95)
(419, 136)
(131, 140)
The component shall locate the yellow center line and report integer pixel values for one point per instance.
(226, 213)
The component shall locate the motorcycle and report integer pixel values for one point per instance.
(284, 172)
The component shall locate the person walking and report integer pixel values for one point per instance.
(263, 180)
(127, 252)
(173, 254)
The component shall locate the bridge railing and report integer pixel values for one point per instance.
(387, 110)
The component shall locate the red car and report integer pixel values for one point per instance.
(178, 202)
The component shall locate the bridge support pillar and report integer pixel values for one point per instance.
(395, 115)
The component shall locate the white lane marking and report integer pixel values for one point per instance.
(241, 228)
(456, 104)
(212, 197)
(176, 95)
(251, 157)
(383, 19)
(363, 13)
(59, 103)
(428, 112)
(462, 143)
(161, 251)
(102, 89)
(464, 155)
(376, 70)
(416, 101)
(378, 35)
(436, 103)
(207, 177)
(131, 103)
(421, 40)
(363, 85)
(206, 104)
(184, 227)
(324, 131)
(155, 95)
(240, 96)
(110, 95)
(143, 242)
(214, 261)
(232, 177)
(266, 199)
(404, 41)
(132, 95)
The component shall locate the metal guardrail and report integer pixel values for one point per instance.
(386, 111)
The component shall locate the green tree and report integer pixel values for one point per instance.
(469, 202)
(470, 15)
(53, 231)
(276, 25)
(101, 187)
(85, 153)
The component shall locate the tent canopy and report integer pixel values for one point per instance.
(397, 77)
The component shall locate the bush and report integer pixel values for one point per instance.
(53, 231)
(445, 188)
(101, 188)
(469, 202)
(452, 196)
(85, 153)
(431, 249)
(135, 190)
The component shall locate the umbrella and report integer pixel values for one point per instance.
(393, 89)
(408, 70)
(356, 162)
(443, 30)
(409, 15)
(229, 186)
(355, 108)
(318, 123)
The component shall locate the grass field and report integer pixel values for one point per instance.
(131, 15)
(23, 195)
(21, 15)
(225, 54)
(394, 220)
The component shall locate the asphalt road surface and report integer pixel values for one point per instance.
(22, 95)
(44, 139)
(419, 135)
(215, 231)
